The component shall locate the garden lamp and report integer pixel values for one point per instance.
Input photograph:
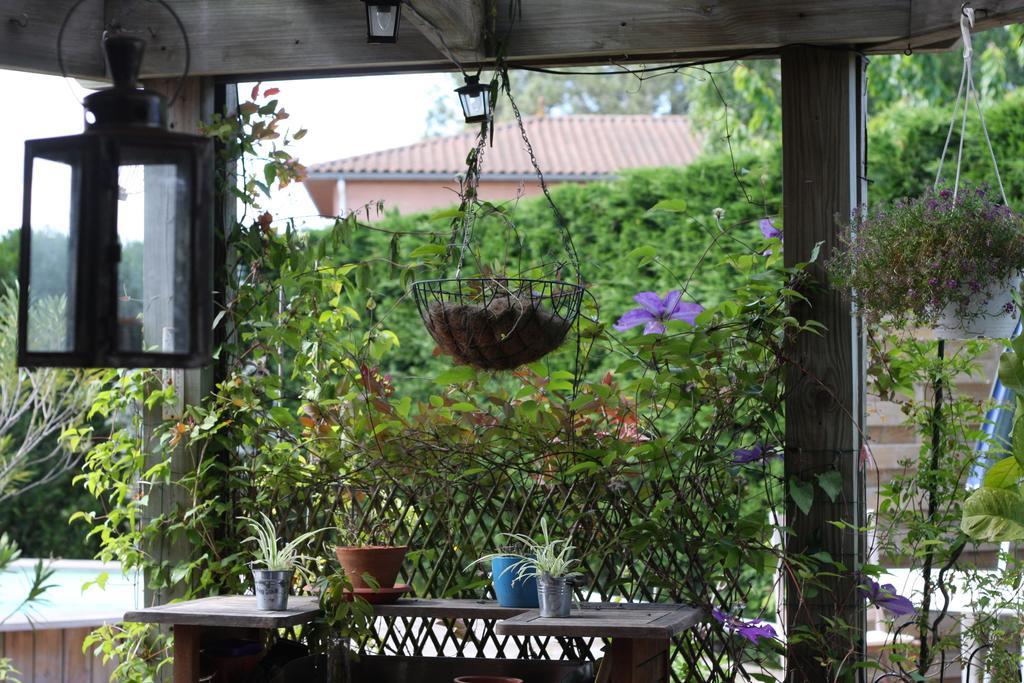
(382, 20)
(475, 99)
(116, 265)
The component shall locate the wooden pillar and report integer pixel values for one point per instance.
(823, 143)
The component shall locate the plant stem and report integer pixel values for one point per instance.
(924, 655)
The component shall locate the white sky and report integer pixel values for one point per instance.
(344, 116)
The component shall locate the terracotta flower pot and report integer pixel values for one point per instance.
(380, 562)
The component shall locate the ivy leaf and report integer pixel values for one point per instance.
(994, 515)
(831, 483)
(802, 493)
(1004, 474)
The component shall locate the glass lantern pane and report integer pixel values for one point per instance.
(56, 187)
(382, 20)
(154, 216)
(473, 105)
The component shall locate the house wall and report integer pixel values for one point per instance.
(408, 196)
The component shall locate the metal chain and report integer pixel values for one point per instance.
(563, 226)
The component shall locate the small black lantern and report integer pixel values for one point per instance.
(382, 20)
(116, 240)
(475, 99)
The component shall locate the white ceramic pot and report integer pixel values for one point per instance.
(993, 322)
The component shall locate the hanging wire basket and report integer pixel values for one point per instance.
(497, 323)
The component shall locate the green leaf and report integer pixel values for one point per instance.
(1017, 442)
(427, 250)
(802, 493)
(281, 415)
(673, 205)
(644, 252)
(831, 483)
(457, 375)
(1005, 474)
(994, 515)
(1011, 371)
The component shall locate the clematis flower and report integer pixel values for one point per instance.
(751, 630)
(654, 311)
(760, 452)
(887, 598)
(770, 232)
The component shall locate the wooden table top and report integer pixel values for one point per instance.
(229, 610)
(606, 620)
(447, 609)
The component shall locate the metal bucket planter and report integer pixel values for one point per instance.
(554, 595)
(272, 588)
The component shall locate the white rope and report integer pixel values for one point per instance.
(966, 90)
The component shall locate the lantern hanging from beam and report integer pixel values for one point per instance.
(116, 265)
(382, 20)
(475, 99)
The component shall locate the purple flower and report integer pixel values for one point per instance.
(887, 598)
(769, 230)
(654, 311)
(946, 194)
(763, 452)
(751, 630)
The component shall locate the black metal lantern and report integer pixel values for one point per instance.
(475, 99)
(116, 241)
(382, 20)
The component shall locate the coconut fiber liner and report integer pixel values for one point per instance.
(505, 331)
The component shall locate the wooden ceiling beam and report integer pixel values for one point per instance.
(270, 38)
(28, 37)
(455, 27)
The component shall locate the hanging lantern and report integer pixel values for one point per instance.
(116, 241)
(382, 19)
(475, 99)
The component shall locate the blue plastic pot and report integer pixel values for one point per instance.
(521, 593)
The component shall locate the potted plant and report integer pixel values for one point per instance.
(365, 551)
(550, 563)
(279, 564)
(510, 589)
(946, 260)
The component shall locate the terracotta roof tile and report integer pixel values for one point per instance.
(575, 145)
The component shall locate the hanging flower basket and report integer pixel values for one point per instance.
(497, 323)
(988, 317)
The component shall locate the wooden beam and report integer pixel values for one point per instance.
(823, 141)
(28, 37)
(270, 38)
(455, 27)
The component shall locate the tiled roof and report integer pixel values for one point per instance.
(569, 146)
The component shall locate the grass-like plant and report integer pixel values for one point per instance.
(536, 558)
(270, 554)
(919, 259)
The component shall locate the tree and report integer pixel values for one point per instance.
(742, 100)
(36, 406)
(608, 90)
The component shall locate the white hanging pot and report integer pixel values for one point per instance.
(989, 319)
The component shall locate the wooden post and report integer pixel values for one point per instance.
(823, 143)
(194, 104)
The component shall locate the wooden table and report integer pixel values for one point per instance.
(190, 619)
(640, 635)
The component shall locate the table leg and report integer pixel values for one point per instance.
(638, 661)
(186, 653)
